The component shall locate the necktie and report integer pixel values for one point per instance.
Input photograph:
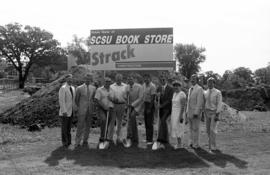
(71, 91)
(88, 97)
(191, 89)
(209, 98)
(163, 90)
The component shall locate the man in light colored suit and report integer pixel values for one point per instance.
(67, 107)
(84, 101)
(135, 94)
(194, 110)
(213, 105)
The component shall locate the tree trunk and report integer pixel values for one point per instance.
(21, 80)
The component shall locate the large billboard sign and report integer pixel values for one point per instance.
(131, 49)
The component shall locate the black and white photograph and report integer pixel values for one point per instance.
(125, 87)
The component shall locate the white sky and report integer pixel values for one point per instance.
(234, 32)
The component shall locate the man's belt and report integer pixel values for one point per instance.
(119, 103)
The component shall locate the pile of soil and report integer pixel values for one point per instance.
(231, 115)
(42, 107)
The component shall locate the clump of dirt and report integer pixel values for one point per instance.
(230, 115)
(43, 106)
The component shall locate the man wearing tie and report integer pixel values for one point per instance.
(84, 101)
(135, 94)
(67, 107)
(194, 110)
(165, 108)
(213, 104)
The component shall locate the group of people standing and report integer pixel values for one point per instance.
(114, 100)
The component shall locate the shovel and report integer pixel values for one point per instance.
(105, 144)
(155, 146)
(127, 142)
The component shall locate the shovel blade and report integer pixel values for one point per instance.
(103, 145)
(155, 146)
(127, 143)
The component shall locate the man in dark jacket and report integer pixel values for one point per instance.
(166, 94)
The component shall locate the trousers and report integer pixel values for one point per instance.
(65, 130)
(117, 116)
(132, 130)
(211, 127)
(83, 127)
(194, 128)
(148, 120)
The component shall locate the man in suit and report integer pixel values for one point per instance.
(165, 108)
(67, 107)
(84, 102)
(213, 105)
(135, 94)
(194, 110)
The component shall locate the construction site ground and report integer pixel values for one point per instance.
(244, 148)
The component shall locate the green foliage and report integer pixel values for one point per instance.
(263, 74)
(204, 77)
(78, 49)
(189, 57)
(245, 99)
(238, 78)
(24, 46)
(244, 73)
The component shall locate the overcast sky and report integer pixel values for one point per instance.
(234, 32)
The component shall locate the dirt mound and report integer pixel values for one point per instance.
(42, 107)
(230, 115)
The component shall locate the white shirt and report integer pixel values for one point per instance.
(102, 94)
(214, 100)
(148, 91)
(119, 92)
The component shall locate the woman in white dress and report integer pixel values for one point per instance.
(177, 115)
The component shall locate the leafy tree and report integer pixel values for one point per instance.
(226, 75)
(238, 78)
(209, 74)
(24, 46)
(244, 73)
(263, 74)
(78, 48)
(189, 57)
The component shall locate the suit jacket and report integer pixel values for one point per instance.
(66, 100)
(136, 96)
(195, 100)
(166, 98)
(81, 100)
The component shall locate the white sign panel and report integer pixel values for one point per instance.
(131, 49)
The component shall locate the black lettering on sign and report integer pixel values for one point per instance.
(130, 52)
(103, 58)
(123, 56)
(116, 56)
(95, 59)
